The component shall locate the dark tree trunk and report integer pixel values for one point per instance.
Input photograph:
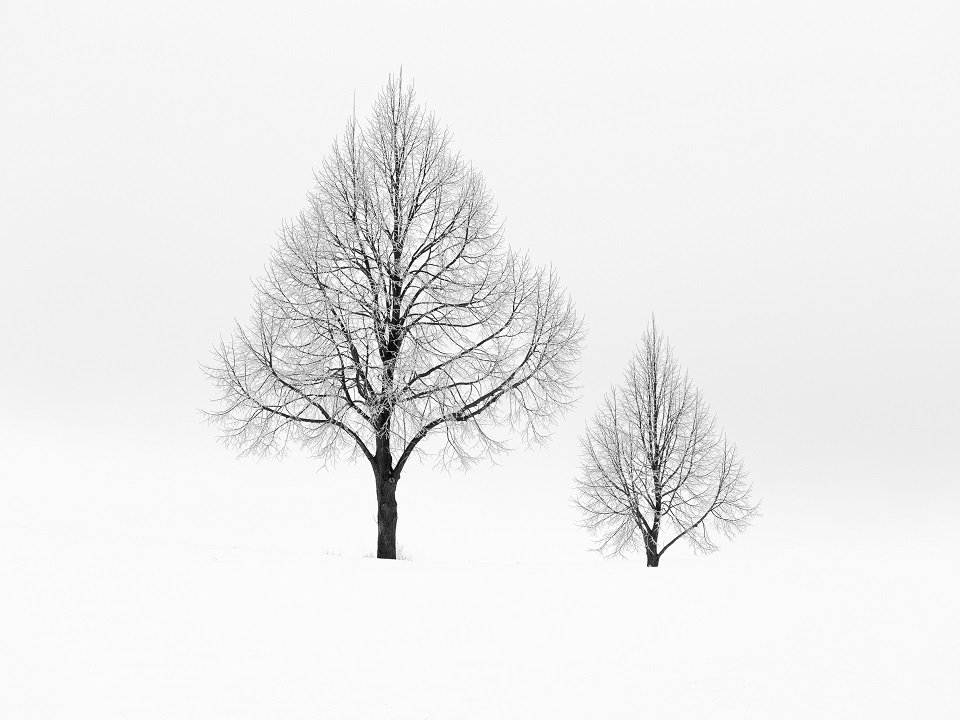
(652, 539)
(650, 545)
(386, 480)
(387, 517)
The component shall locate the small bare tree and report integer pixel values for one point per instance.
(394, 321)
(654, 462)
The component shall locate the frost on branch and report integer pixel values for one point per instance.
(393, 319)
(656, 467)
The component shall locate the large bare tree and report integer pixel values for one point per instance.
(393, 320)
(655, 466)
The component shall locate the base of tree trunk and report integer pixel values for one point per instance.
(387, 520)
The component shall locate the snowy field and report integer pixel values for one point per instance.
(164, 630)
(138, 583)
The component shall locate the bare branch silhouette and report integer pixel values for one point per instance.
(655, 467)
(393, 321)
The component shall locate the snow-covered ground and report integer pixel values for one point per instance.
(93, 628)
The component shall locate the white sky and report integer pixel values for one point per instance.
(777, 182)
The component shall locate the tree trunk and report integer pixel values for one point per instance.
(650, 545)
(386, 480)
(386, 517)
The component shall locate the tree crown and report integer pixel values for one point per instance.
(392, 311)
